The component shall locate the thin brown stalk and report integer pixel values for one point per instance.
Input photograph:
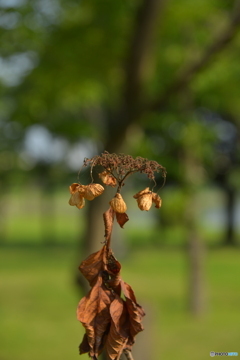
(128, 354)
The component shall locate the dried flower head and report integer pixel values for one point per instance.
(142, 192)
(118, 204)
(77, 200)
(107, 178)
(145, 202)
(121, 166)
(92, 191)
(157, 200)
(144, 199)
(75, 187)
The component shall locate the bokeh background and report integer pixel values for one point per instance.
(153, 78)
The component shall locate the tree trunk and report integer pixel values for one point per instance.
(229, 238)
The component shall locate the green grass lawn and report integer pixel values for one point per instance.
(38, 304)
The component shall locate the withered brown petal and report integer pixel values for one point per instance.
(142, 192)
(77, 200)
(157, 200)
(91, 267)
(73, 188)
(92, 191)
(122, 218)
(107, 178)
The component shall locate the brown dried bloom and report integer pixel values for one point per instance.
(77, 200)
(107, 178)
(92, 191)
(144, 199)
(118, 204)
(157, 200)
(77, 187)
(142, 192)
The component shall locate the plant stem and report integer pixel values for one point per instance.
(128, 354)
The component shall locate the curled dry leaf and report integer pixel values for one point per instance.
(94, 314)
(92, 191)
(118, 204)
(122, 218)
(108, 218)
(93, 265)
(77, 200)
(119, 330)
(113, 265)
(113, 283)
(109, 321)
(107, 178)
(157, 200)
(84, 347)
(135, 311)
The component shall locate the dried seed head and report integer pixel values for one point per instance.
(77, 200)
(157, 200)
(107, 178)
(118, 204)
(92, 191)
(145, 201)
(142, 192)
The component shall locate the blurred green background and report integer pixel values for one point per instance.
(150, 78)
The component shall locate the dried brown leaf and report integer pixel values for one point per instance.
(114, 283)
(93, 312)
(84, 347)
(122, 218)
(119, 330)
(113, 265)
(93, 265)
(135, 311)
(108, 218)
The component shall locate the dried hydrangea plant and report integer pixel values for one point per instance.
(110, 313)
